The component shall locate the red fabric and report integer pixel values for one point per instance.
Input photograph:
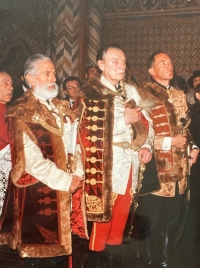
(145, 122)
(77, 221)
(26, 179)
(112, 232)
(4, 138)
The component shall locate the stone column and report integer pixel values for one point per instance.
(94, 30)
(63, 37)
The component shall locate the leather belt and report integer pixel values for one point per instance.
(127, 145)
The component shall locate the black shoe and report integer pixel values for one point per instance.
(96, 259)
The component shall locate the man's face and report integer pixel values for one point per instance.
(6, 88)
(72, 89)
(162, 69)
(92, 72)
(113, 65)
(196, 81)
(43, 83)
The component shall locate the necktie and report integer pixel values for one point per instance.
(72, 103)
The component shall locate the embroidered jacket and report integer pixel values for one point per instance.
(170, 107)
(107, 165)
(42, 201)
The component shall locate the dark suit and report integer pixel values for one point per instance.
(17, 93)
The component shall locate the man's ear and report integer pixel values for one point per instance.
(151, 71)
(31, 80)
(197, 94)
(101, 64)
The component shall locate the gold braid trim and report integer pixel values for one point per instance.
(57, 131)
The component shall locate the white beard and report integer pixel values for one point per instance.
(46, 93)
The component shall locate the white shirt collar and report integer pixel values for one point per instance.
(43, 101)
(107, 83)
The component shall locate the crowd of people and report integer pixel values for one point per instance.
(79, 162)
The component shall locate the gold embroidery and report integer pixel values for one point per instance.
(57, 131)
(94, 204)
(93, 149)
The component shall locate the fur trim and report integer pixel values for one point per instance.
(160, 97)
(21, 113)
(94, 90)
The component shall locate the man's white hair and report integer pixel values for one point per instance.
(30, 66)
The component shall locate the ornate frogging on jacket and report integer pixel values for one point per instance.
(96, 134)
(56, 236)
(170, 108)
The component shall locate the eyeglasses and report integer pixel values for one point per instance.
(71, 87)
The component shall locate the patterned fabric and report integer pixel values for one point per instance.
(5, 167)
(170, 107)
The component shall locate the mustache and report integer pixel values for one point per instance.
(51, 84)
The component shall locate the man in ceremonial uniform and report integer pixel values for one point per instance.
(162, 204)
(44, 178)
(6, 90)
(116, 138)
(71, 89)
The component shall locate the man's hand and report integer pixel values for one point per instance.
(76, 183)
(193, 156)
(132, 115)
(179, 141)
(144, 155)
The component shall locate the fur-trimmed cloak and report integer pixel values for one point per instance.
(107, 164)
(42, 226)
(170, 108)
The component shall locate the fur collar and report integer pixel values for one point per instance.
(95, 90)
(159, 96)
(25, 107)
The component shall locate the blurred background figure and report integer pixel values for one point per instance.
(71, 89)
(19, 90)
(91, 71)
(192, 230)
(180, 83)
(193, 81)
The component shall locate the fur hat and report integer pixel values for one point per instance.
(191, 79)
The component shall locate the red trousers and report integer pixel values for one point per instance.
(111, 232)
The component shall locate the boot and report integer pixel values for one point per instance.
(114, 256)
(147, 249)
(146, 255)
(164, 248)
(96, 259)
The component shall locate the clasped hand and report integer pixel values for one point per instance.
(132, 115)
(76, 183)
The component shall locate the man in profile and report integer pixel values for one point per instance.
(6, 90)
(45, 178)
(162, 202)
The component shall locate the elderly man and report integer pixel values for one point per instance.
(162, 204)
(43, 174)
(71, 89)
(6, 90)
(108, 131)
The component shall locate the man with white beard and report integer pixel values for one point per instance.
(44, 179)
